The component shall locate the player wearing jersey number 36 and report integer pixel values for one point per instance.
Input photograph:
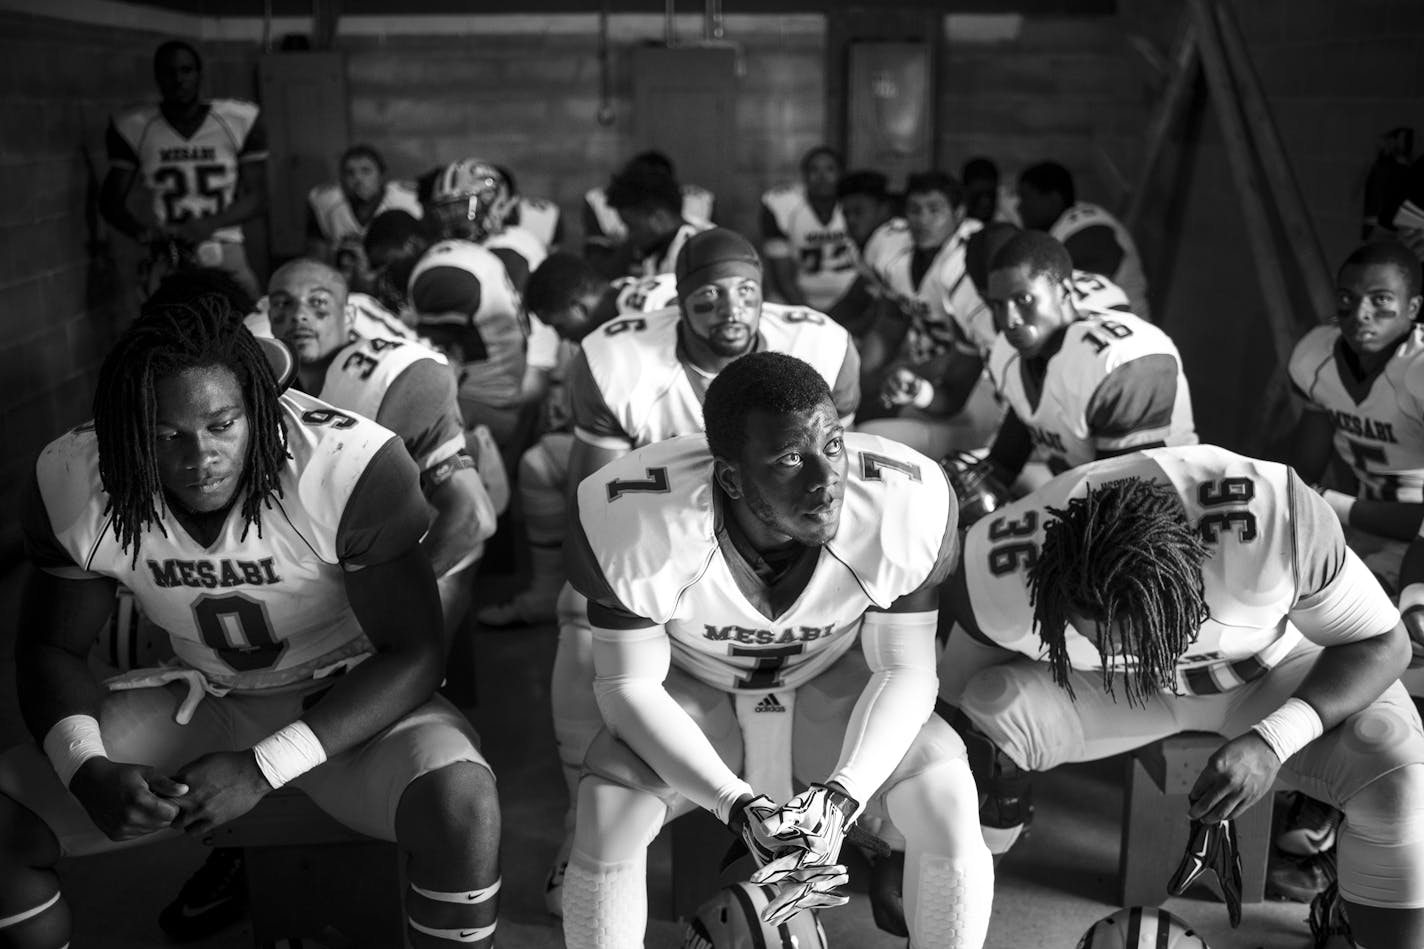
(277, 540)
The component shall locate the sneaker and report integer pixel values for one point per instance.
(1297, 879)
(522, 610)
(214, 897)
(1309, 827)
(554, 888)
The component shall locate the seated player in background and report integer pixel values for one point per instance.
(810, 258)
(276, 538)
(930, 335)
(641, 379)
(605, 235)
(733, 574)
(879, 234)
(573, 298)
(1079, 385)
(538, 216)
(985, 199)
(1193, 589)
(1096, 241)
(338, 212)
(649, 202)
(473, 201)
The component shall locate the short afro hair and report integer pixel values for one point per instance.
(774, 383)
(644, 188)
(559, 282)
(943, 182)
(1038, 252)
(1389, 254)
(814, 153)
(979, 169)
(362, 150)
(172, 48)
(1049, 177)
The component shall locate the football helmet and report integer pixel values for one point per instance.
(731, 919)
(471, 198)
(1141, 927)
(976, 486)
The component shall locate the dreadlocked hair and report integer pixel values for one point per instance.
(1124, 554)
(165, 340)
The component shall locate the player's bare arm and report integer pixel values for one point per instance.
(59, 619)
(1011, 448)
(464, 516)
(248, 202)
(113, 202)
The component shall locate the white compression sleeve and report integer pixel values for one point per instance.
(630, 668)
(900, 650)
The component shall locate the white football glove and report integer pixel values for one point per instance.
(749, 825)
(806, 888)
(813, 824)
(904, 387)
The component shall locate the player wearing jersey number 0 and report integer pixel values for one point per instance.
(1192, 589)
(730, 580)
(276, 538)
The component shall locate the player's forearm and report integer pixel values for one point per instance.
(1348, 677)
(374, 695)
(53, 683)
(246, 206)
(1399, 520)
(1011, 448)
(464, 518)
(115, 211)
(895, 702)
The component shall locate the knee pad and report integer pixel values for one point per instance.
(1381, 842)
(952, 900)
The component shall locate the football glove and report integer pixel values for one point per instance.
(748, 823)
(976, 486)
(810, 887)
(813, 825)
(1212, 847)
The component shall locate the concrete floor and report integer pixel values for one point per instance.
(1049, 890)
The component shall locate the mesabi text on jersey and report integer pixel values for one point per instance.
(751, 636)
(187, 153)
(210, 573)
(1364, 427)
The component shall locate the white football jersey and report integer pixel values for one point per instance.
(825, 255)
(337, 222)
(192, 177)
(1090, 292)
(1273, 542)
(541, 219)
(1130, 276)
(884, 244)
(651, 521)
(1103, 390)
(522, 242)
(643, 391)
(667, 260)
(945, 309)
(251, 610)
(1379, 421)
(371, 320)
(645, 294)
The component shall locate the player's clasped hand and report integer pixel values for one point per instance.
(222, 786)
(814, 824)
(126, 801)
(903, 387)
(809, 887)
(1238, 775)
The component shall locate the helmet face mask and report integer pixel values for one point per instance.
(1141, 927)
(471, 200)
(731, 920)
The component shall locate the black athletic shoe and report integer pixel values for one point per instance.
(214, 897)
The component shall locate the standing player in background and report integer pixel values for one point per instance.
(641, 379)
(569, 295)
(1096, 241)
(339, 212)
(729, 580)
(605, 243)
(276, 538)
(932, 335)
(649, 202)
(203, 162)
(1217, 594)
(810, 257)
(1080, 385)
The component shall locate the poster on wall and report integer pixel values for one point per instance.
(890, 108)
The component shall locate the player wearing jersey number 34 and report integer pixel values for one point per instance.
(277, 540)
(730, 579)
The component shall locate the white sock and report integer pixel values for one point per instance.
(605, 904)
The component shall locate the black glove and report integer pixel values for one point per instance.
(1212, 847)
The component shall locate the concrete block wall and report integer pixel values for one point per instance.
(530, 101)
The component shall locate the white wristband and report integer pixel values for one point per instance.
(1340, 503)
(1290, 728)
(288, 753)
(70, 742)
(924, 394)
(1411, 596)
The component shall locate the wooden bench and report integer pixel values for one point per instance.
(310, 877)
(1155, 823)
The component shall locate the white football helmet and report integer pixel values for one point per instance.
(1141, 927)
(471, 199)
(731, 919)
